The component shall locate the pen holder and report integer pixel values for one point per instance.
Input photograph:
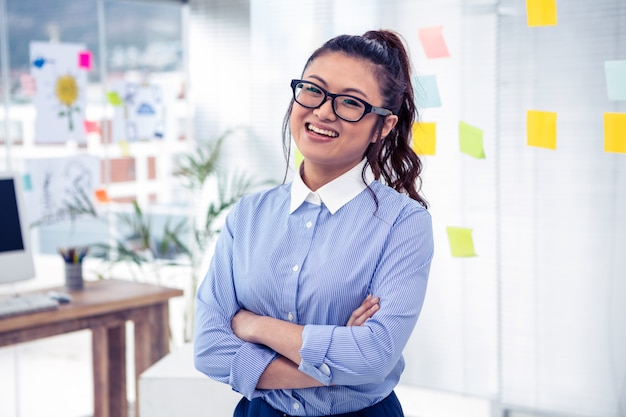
(74, 276)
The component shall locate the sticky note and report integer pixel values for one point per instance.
(433, 42)
(424, 138)
(27, 185)
(91, 127)
(298, 158)
(471, 140)
(426, 91)
(114, 98)
(615, 72)
(102, 196)
(461, 242)
(615, 132)
(124, 147)
(84, 60)
(541, 129)
(541, 12)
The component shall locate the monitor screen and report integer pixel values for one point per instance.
(16, 259)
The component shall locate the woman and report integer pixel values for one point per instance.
(316, 285)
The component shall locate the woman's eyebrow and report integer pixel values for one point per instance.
(345, 91)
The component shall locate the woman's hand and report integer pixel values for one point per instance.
(368, 307)
(243, 325)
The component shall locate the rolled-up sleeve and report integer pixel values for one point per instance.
(218, 352)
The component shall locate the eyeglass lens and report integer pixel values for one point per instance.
(346, 107)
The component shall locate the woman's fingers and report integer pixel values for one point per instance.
(368, 307)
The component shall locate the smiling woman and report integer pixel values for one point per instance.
(316, 285)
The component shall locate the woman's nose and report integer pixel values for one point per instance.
(325, 111)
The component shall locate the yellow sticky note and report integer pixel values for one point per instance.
(124, 147)
(471, 140)
(541, 12)
(461, 242)
(424, 138)
(541, 129)
(615, 132)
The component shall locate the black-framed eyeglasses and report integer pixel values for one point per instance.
(345, 106)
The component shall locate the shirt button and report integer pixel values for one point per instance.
(290, 316)
(296, 406)
(308, 225)
(295, 268)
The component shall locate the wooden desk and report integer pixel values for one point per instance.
(104, 307)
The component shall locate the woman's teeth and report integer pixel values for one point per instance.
(324, 132)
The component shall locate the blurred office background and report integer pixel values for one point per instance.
(535, 323)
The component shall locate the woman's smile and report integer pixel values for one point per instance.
(321, 131)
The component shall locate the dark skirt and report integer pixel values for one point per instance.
(389, 407)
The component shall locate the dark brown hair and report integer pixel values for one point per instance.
(391, 158)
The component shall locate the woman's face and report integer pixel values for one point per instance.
(325, 140)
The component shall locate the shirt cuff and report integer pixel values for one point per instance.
(315, 342)
(247, 367)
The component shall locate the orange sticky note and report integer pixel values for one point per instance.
(102, 196)
(541, 12)
(615, 132)
(424, 138)
(541, 129)
(461, 242)
(433, 42)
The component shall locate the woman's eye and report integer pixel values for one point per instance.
(347, 101)
(311, 89)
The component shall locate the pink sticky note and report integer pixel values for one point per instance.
(84, 60)
(91, 127)
(433, 42)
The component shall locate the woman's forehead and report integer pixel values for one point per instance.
(338, 72)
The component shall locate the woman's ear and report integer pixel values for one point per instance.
(389, 123)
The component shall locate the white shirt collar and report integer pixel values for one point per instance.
(335, 194)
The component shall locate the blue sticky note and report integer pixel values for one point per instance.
(615, 79)
(27, 185)
(426, 91)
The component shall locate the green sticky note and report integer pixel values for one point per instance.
(461, 242)
(541, 129)
(615, 132)
(27, 185)
(471, 140)
(424, 138)
(541, 12)
(298, 158)
(114, 98)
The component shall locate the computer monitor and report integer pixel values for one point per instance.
(16, 257)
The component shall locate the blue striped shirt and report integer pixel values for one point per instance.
(312, 258)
